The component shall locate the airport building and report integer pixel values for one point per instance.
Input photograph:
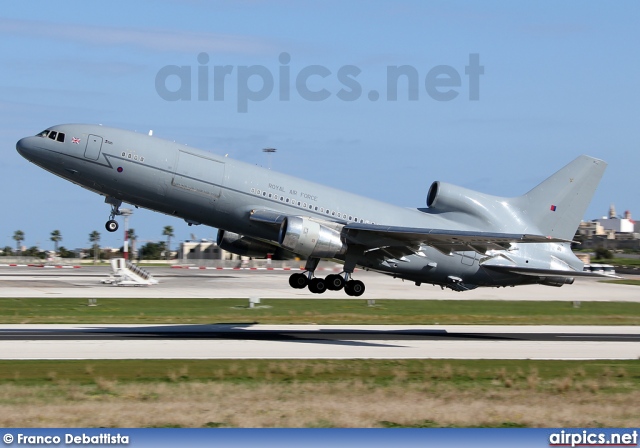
(610, 232)
(204, 250)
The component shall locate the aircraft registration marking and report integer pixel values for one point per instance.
(130, 155)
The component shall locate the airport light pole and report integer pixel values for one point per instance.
(126, 212)
(269, 151)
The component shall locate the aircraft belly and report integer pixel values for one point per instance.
(437, 268)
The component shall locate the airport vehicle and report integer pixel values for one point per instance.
(462, 240)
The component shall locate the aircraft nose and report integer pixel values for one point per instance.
(24, 147)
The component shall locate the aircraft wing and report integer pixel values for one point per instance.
(396, 242)
(446, 241)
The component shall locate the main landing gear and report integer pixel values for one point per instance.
(332, 282)
(112, 224)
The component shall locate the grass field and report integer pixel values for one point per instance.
(319, 393)
(288, 311)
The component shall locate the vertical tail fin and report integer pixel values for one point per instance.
(558, 204)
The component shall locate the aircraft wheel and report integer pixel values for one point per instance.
(298, 281)
(317, 285)
(111, 225)
(334, 282)
(354, 288)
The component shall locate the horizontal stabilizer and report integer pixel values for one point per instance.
(537, 272)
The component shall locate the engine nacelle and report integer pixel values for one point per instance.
(452, 198)
(309, 238)
(244, 245)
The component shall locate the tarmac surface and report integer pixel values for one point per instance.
(305, 341)
(316, 342)
(188, 283)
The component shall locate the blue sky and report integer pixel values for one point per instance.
(560, 79)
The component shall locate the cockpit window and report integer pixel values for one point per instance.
(53, 135)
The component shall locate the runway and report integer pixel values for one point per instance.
(316, 342)
(307, 341)
(183, 283)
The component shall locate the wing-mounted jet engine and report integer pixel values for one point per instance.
(311, 238)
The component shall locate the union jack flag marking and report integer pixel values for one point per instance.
(75, 140)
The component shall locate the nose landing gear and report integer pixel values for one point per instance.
(112, 224)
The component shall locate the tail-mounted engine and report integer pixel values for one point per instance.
(312, 239)
(446, 197)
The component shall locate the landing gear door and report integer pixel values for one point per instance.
(94, 145)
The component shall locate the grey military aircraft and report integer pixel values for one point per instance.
(463, 239)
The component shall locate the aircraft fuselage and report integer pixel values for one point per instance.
(204, 188)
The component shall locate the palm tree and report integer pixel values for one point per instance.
(56, 237)
(168, 232)
(18, 235)
(94, 237)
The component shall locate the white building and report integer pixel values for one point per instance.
(616, 224)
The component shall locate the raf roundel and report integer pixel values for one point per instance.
(120, 169)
